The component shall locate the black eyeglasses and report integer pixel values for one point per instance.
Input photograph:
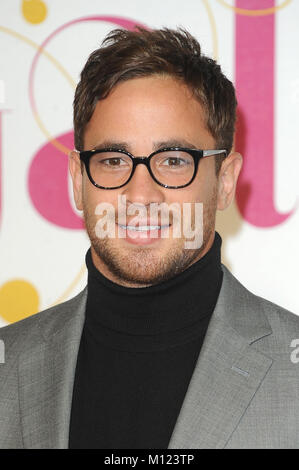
(171, 167)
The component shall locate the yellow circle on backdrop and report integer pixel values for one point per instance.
(34, 11)
(18, 299)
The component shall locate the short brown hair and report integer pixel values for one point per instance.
(140, 53)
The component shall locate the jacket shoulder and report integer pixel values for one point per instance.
(283, 323)
(27, 331)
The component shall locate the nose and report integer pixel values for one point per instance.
(142, 188)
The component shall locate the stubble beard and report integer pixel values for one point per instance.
(140, 266)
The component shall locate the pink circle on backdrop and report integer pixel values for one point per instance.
(48, 172)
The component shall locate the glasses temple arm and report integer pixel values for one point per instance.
(208, 153)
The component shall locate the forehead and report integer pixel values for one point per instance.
(157, 107)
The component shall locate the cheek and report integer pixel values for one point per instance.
(92, 195)
(206, 182)
(99, 202)
(196, 192)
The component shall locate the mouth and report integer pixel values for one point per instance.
(143, 228)
(142, 234)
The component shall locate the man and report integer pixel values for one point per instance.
(164, 348)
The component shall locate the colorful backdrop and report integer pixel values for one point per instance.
(43, 47)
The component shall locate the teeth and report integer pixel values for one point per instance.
(142, 228)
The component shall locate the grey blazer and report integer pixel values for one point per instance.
(244, 391)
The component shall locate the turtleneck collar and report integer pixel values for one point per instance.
(154, 317)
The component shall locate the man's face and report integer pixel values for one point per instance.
(145, 114)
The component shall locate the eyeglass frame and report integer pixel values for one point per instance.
(196, 154)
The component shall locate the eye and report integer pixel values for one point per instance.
(112, 161)
(174, 161)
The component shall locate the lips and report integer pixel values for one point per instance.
(142, 233)
(136, 224)
(143, 228)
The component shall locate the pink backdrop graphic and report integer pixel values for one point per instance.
(255, 56)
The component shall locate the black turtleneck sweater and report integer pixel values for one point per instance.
(138, 350)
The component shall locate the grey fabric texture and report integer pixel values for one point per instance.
(244, 391)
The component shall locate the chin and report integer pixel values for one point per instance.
(143, 266)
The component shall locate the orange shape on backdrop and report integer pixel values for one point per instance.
(18, 299)
(34, 11)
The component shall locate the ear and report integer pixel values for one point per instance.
(77, 178)
(227, 179)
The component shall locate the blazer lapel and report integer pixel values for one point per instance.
(228, 371)
(46, 377)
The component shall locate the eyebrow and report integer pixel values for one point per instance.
(156, 146)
